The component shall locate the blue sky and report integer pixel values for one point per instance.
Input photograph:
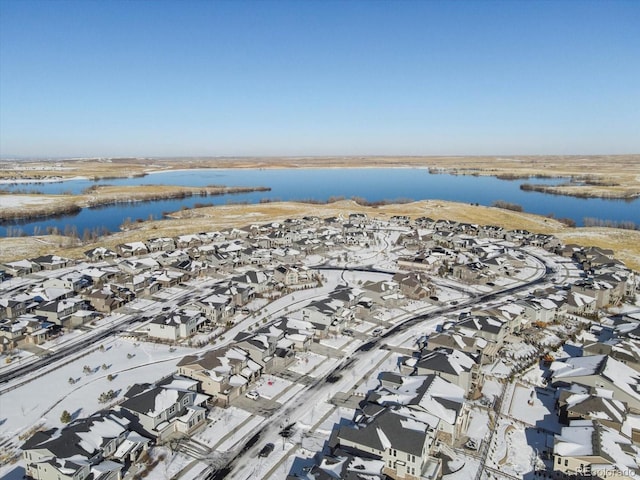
(167, 78)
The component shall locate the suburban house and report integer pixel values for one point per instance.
(217, 307)
(223, 373)
(541, 309)
(400, 438)
(51, 262)
(587, 448)
(171, 406)
(490, 328)
(60, 311)
(345, 466)
(384, 292)
(131, 249)
(21, 267)
(293, 276)
(93, 447)
(600, 290)
(455, 366)
(626, 351)
(437, 399)
(414, 285)
(589, 403)
(100, 253)
(176, 325)
(580, 304)
(106, 299)
(600, 371)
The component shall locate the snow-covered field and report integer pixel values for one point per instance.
(242, 431)
(26, 407)
(13, 201)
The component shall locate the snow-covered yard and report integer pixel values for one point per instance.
(168, 464)
(338, 341)
(509, 451)
(478, 424)
(306, 362)
(270, 386)
(492, 389)
(468, 471)
(534, 407)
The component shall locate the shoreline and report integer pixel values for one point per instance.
(27, 207)
(617, 176)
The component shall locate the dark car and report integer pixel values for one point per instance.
(266, 450)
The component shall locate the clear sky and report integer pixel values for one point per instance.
(167, 78)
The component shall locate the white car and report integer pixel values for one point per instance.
(377, 332)
(252, 394)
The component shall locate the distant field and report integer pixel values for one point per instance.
(608, 176)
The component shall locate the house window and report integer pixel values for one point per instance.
(559, 460)
(566, 462)
(395, 452)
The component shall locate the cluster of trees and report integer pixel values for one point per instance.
(507, 205)
(105, 397)
(599, 222)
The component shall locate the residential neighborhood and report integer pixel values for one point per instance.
(322, 348)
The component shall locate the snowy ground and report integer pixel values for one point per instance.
(26, 407)
(509, 451)
(270, 386)
(534, 407)
(468, 472)
(478, 424)
(534, 376)
(306, 362)
(337, 342)
(223, 421)
(12, 201)
(492, 389)
(171, 463)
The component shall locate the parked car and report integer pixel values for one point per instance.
(377, 332)
(348, 332)
(266, 450)
(252, 394)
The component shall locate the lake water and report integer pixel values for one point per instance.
(373, 184)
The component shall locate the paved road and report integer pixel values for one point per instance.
(235, 468)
